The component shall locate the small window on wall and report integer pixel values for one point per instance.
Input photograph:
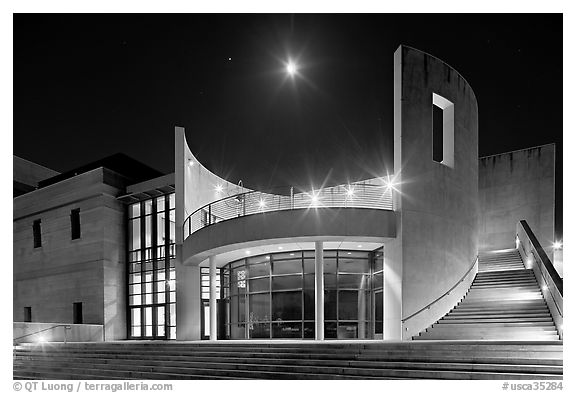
(75, 223)
(442, 130)
(37, 232)
(27, 314)
(77, 313)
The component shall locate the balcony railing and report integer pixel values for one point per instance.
(357, 195)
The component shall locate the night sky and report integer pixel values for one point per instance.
(88, 86)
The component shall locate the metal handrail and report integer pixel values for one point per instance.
(558, 283)
(358, 195)
(66, 327)
(427, 307)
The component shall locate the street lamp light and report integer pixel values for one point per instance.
(291, 68)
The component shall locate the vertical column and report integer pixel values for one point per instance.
(319, 290)
(187, 299)
(213, 313)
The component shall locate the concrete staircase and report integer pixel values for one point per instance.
(290, 360)
(503, 303)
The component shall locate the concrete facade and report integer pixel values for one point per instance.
(91, 269)
(437, 204)
(27, 174)
(516, 186)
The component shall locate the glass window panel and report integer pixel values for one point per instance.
(258, 259)
(148, 231)
(148, 265)
(309, 330)
(237, 331)
(172, 316)
(353, 254)
(160, 330)
(287, 306)
(161, 297)
(172, 285)
(310, 254)
(347, 330)
(160, 265)
(259, 307)
(261, 269)
(260, 284)
(148, 206)
(287, 330)
(134, 210)
(172, 201)
(135, 267)
(136, 331)
(172, 217)
(353, 281)
(287, 267)
(309, 304)
(161, 275)
(309, 266)
(148, 276)
(148, 299)
(309, 281)
(160, 229)
(172, 274)
(347, 265)
(160, 204)
(134, 235)
(286, 282)
(148, 287)
(135, 317)
(172, 332)
(135, 278)
(135, 289)
(148, 331)
(329, 281)
(330, 265)
(135, 256)
(259, 330)
(160, 315)
(237, 264)
(287, 255)
(378, 280)
(348, 304)
(330, 330)
(135, 300)
(329, 253)
(330, 305)
(379, 261)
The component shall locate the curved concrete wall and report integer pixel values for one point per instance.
(326, 224)
(438, 203)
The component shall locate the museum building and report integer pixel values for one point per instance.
(190, 255)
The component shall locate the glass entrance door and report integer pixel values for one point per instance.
(378, 314)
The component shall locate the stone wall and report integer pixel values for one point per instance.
(91, 269)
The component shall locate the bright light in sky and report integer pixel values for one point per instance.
(291, 68)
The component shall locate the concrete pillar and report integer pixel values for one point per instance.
(187, 300)
(319, 292)
(213, 311)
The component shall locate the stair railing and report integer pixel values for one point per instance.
(66, 328)
(535, 258)
(447, 293)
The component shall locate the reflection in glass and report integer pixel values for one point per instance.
(287, 306)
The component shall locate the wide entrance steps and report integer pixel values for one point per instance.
(290, 360)
(503, 303)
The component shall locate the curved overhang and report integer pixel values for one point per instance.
(290, 226)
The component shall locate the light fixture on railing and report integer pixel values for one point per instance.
(544, 287)
(557, 245)
(41, 339)
(350, 191)
(261, 203)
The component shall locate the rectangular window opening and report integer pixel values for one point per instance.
(437, 133)
(37, 231)
(75, 223)
(442, 131)
(77, 313)
(27, 314)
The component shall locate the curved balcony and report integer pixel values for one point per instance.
(357, 195)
